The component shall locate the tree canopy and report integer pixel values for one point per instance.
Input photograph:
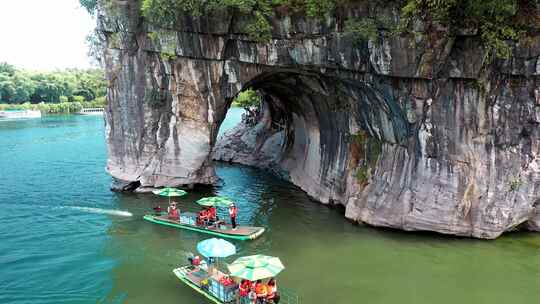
(18, 86)
(247, 99)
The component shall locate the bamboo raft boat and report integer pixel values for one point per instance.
(207, 285)
(188, 222)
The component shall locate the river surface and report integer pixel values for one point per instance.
(65, 238)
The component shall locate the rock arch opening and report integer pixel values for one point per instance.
(316, 131)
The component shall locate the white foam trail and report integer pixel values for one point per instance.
(102, 211)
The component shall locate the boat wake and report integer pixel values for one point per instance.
(102, 211)
(95, 210)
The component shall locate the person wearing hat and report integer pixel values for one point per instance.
(233, 212)
(172, 212)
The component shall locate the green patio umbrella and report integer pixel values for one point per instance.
(256, 267)
(216, 201)
(167, 191)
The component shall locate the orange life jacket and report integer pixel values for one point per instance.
(260, 290)
(173, 213)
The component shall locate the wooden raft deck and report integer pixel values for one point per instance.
(241, 232)
(184, 274)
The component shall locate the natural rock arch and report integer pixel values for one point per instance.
(459, 140)
(310, 126)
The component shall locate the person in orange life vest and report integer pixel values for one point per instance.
(172, 212)
(271, 290)
(200, 217)
(233, 212)
(205, 216)
(261, 291)
(212, 214)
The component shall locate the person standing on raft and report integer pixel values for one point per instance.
(212, 215)
(172, 212)
(233, 212)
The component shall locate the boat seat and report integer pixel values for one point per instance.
(198, 275)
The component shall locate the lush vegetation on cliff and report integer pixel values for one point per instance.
(494, 21)
(259, 28)
(61, 86)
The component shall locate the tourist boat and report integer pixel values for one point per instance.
(15, 114)
(219, 288)
(207, 285)
(188, 221)
(91, 111)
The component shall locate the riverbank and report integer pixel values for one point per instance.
(55, 108)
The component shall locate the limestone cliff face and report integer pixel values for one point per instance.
(414, 133)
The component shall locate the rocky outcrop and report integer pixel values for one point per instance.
(408, 132)
(255, 142)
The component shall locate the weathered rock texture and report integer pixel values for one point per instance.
(409, 132)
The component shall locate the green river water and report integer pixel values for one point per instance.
(64, 239)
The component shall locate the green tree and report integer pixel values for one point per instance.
(7, 88)
(248, 99)
(24, 88)
(6, 68)
(89, 5)
(18, 86)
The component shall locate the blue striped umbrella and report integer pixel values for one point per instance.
(216, 248)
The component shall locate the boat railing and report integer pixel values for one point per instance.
(92, 110)
(226, 294)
